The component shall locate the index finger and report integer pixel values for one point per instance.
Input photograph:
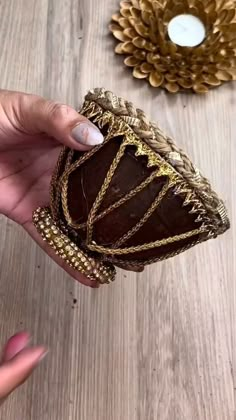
(14, 372)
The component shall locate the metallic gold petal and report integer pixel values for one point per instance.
(146, 16)
(146, 5)
(210, 7)
(196, 68)
(115, 27)
(119, 48)
(153, 58)
(222, 16)
(223, 65)
(163, 68)
(172, 87)
(210, 68)
(138, 74)
(130, 33)
(171, 77)
(212, 80)
(128, 47)
(223, 75)
(146, 68)
(154, 34)
(142, 30)
(132, 61)
(156, 79)
(158, 12)
(185, 73)
(210, 19)
(173, 48)
(227, 36)
(185, 83)
(125, 13)
(197, 79)
(161, 28)
(168, 15)
(124, 22)
(195, 12)
(171, 5)
(164, 49)
(120, 36)
(135, 3)
(139, 42)
(116, 17)
(232, 71)
(221, 4)
(232, 62)
(232, 44)
(199, 51)
(214, 39)
(200, 88)
(224, 54)
(230, 14)
(125, 5)
(180, 9)
(140, 54)
(136, 13)
(141, 26)
(228, 28)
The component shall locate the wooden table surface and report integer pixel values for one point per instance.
(156, 346)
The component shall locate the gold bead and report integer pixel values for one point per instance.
(66, 249)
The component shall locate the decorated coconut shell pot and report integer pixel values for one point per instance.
(132, 201)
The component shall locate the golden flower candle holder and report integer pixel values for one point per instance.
(132, 201)
(145, 28)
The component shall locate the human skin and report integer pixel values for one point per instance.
(32, 133)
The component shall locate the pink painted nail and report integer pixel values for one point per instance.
(87, 134)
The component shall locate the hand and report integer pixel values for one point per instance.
(18, 362)
(32, 132)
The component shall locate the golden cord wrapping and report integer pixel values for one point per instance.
(122, 119)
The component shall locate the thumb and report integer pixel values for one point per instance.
(38, 115)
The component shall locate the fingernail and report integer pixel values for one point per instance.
(87, 134)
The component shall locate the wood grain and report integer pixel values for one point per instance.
(160, 345)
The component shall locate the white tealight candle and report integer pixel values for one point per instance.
(186, 30)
